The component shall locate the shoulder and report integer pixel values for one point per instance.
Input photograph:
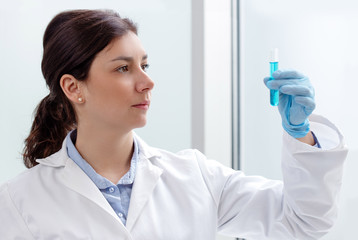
(22, 181)
(22, 178)
(31, 183)
(47, 169)
(151, 153)
(182, 155)
(187, 158)
(192, 162)
(184, 160)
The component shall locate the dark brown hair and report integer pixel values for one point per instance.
(71, 41)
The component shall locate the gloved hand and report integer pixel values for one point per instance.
(296, 100)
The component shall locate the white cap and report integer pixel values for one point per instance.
(274, 55)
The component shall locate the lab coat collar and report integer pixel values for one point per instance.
(59, 158)
(77, 180)
(145, 150)
(74, 178)
(147, 176)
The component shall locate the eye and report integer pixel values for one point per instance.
(122, 69)
(145, 67)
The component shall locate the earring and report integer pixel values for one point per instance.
(80, 99)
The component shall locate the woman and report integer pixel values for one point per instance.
(91, 177)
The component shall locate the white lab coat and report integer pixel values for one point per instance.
(181, 196)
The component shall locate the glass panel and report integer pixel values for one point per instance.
(318, 38)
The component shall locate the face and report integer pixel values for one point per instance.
(118, 90)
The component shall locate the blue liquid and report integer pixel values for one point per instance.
(274, 94)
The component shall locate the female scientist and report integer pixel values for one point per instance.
(91, 177)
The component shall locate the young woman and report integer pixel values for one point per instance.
(91, 177)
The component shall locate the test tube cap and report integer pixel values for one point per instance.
(274, 55)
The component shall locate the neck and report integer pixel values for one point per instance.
(107, 151)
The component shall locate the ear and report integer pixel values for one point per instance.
(71, 87)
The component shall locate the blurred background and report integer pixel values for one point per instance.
(208, 59)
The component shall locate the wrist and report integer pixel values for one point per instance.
(296, 131)
(308, 139)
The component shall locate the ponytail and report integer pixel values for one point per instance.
(53, 120)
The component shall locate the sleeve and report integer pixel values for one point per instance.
(12, 224)
(303, 206)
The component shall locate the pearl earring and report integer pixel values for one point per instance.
(80, 99)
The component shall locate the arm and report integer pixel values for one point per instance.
(312, 178)
(303, 206)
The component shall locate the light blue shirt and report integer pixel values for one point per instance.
(118, 196)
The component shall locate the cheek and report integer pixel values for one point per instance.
(111, 96)
(109, 92)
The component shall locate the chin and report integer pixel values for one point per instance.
(141, 123)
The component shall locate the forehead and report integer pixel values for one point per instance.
(127, 45)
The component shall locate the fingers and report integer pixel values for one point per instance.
(277, 84)
(287, 74)
(290, 82)
(266, 79)
(284, 77)
(307, 102)
(297, 90)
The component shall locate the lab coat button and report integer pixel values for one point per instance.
(111, 189)
(120, 214)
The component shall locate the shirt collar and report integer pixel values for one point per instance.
(100, 181)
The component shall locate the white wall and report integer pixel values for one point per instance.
(211, 80)
(218, 80)
(318, 38)
(164, 28)
(217, 86)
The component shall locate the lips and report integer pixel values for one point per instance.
(143, 105)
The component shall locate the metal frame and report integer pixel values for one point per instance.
(235, 83)
(197, 76)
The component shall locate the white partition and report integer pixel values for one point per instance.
(318, 38)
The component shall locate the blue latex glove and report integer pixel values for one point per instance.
(296, 100)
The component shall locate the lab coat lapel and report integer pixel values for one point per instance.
(75, 179)
(147, 176)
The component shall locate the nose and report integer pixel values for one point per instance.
(144, 83)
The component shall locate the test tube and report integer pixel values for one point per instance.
(274, 94)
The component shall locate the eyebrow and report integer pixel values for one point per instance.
(128, 59)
